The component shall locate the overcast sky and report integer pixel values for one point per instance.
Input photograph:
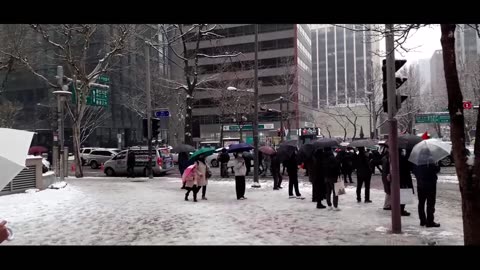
(422, 43)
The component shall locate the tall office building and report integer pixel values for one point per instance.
(284, 49)
(437, 75)
(343, 63)
(467, 44)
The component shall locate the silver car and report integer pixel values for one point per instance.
(161, 164)
(99, 156)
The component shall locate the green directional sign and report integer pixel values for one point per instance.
(97, 96)
(424, 118)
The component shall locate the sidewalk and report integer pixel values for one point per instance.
(94, 211)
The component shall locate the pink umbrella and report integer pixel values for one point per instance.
(37, 149)
(267, 150)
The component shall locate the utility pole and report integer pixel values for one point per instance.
(255, 117)
(393, 134)
(149, 111)
(281, 119)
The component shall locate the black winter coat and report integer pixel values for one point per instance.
(426, 176)
(224, 157)
(385, 172)
(331, 167)
(131, 159)
(362, 164)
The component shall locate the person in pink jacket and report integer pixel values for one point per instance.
(198, 178)
(4, 234)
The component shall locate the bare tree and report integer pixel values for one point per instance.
(184, 41)
(72, 46)
(8, 112)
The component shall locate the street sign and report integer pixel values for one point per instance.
(162, 113)
(467, 105)
(97, 96)
(247, 127)
(440, 118)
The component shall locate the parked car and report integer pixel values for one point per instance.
(212, 160)
(161, 164)
(99, 156)
(84, 152)
(448, 161)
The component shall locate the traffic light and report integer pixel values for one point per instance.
(398, 83)
(155, 127)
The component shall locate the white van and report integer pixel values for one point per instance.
(161, 164)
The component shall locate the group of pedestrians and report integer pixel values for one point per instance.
(324, 170)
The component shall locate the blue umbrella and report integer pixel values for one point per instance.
(240, 147)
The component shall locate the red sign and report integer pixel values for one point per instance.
(467, 105)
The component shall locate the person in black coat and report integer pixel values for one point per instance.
(364, 174)
(406, 181)
(275, 170)
(426, 176)
(292, 170)
(318, 174)
(309, 165)
(346, 164)
(131, 164)
(224, 158)
(332, 171)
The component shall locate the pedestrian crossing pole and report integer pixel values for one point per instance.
(393, 133)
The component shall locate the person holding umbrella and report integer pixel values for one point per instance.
(425, 156)
(275, 170)
(239, 169)
(364, 174)
(319, 177)
(202, 172)
(292, 171)
(386, 180)
(332, 171)
(224, 158)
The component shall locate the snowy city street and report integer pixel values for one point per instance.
(117, 211)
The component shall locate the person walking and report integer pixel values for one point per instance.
(332, 171)
(292, 171)
(364, 174)
(224, 158)
(386, 181)
(240, 170)
(406, 181)
(426, 176)
(275, 170)
(191, 183)
(131, 164)
(248, 161)
(202, 174)
(318, 172)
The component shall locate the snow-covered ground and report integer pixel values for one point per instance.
(104, 211)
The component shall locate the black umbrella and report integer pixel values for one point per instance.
(183, 148)
(306, 152)
(285, 152)
(408, 141)
(325, 143)
(363, 143)
(291, 143)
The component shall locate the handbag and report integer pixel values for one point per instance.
(406, 196)
(339, 188)
(209, 173)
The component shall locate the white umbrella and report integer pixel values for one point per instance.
(429, 151)
(14, 145)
